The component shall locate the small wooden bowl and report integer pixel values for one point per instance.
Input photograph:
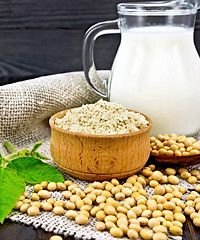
(99, 157)
(182, 160)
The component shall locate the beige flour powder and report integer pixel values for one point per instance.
(102, 118)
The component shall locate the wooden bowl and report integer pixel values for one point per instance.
(99, 157)
(182, 160)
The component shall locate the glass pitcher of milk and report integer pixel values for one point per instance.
(156, 70)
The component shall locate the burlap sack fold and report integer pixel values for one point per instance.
(25, 108)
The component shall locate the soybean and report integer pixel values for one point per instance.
(116, 232)
(58, 210)
(47, 206)
(81, 219)
(33, 211)
(175, 230)
(71, 214)
(159, 236)
(132, 234)
(196, 221)
(100, 226)
(146, 234)
(44, 194)
(56, 237)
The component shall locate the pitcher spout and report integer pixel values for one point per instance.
(189, 4)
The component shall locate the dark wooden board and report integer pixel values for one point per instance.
(16, 231)
(45, 37)
(30, 53)
(55, 14)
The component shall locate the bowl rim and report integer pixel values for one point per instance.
(53, 126)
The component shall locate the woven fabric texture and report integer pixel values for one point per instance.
(25, 108)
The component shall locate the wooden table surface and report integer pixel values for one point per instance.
(16, 231)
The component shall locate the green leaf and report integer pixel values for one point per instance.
(33, 152)
(36, 146)
(33, 171)
(11, 186)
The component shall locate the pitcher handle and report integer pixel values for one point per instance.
(90, 36)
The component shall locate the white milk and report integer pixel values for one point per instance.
(157, 72)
